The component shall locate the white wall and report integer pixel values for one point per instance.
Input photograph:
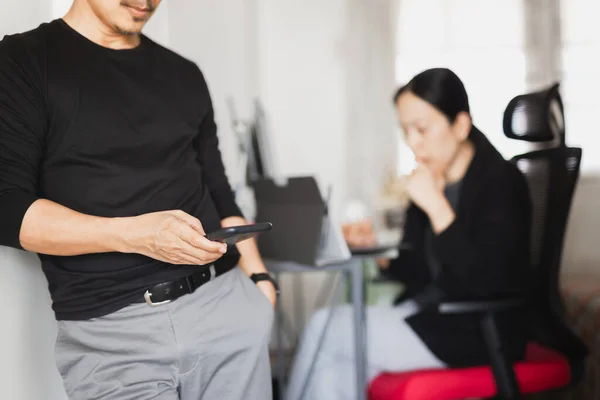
(27, 369)
(326, 77)
(302, 80)
(221, 38)
(158, 27)
(323, 70)
(27, 325)
(18, 16)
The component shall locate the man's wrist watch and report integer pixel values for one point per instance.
(265, 276)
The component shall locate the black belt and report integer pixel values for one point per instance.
(166, 292)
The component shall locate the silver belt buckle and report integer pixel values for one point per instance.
(147, 297)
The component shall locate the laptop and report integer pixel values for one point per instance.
(303, 231)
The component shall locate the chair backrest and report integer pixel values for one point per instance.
(552, 175)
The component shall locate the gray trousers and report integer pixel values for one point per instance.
(208, 345)
(392, 345)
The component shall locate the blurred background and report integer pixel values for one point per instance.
(324, 72)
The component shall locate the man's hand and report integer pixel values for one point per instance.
(268, 290)
(174, 237)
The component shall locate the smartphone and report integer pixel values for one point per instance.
(236, 234)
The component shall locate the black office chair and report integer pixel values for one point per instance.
(555, 355)
(552, 174)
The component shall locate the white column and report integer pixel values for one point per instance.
(371, 142)
(542, 42)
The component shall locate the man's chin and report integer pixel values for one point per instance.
(130, 31)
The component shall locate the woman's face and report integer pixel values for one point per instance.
(431, 137)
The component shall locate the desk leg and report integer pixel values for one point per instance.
(280, 347)
(358, 304)
(299, 306)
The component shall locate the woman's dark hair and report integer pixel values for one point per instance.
(441, 88)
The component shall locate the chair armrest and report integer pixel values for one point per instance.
(469, 307)
(504, 375)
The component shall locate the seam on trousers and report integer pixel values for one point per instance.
(177, 350)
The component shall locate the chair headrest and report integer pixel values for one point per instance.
(536, 116)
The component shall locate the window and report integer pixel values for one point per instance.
(581, 77)
(482, 41)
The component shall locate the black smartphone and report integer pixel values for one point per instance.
(236, 234)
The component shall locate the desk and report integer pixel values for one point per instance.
(352, 269)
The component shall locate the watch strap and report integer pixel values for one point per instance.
(265, 276)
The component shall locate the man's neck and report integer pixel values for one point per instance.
(84, 21)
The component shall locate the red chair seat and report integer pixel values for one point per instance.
(542, 370)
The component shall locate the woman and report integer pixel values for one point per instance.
(467, 229)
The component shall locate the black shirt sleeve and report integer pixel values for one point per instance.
(209, 156)
(22, 132)
(492, 259)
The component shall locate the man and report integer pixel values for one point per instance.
(110, 171)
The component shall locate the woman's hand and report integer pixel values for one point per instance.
(362, 234)
(425, 189)
(359, 234)
(427, 192)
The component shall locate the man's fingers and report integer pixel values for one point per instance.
(200, 242)
(191, 221)
(194, 247)
(210, 245)
(197, 256)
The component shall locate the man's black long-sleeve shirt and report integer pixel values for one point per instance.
(111, 133)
